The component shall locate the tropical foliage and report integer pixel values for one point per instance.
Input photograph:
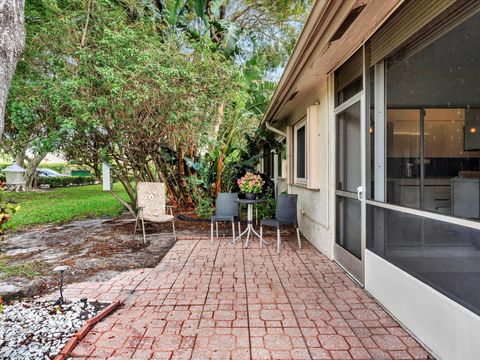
(165, 90)
(7, 209)
(37, 110)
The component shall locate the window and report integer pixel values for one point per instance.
(268, 160)
(281, 156)
(301, 153)
(279, 165)
(433, 113)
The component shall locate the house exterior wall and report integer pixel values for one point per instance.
(315, 206)
(445, 326)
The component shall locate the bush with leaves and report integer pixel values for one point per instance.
(147, 85)
(38, 108)
(267, 209)
(7, 209)
(146, 102)
(62, 181)
(201, 196)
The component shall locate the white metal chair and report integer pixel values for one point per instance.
(151, 203)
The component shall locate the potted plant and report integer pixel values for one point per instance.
(251, 185)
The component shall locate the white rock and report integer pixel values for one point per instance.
(32, 332)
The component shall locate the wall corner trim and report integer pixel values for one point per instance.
(314, 147)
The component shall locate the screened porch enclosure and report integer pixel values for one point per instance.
(424, 201)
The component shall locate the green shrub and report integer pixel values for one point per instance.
(62, 168)
(4, 164)
(63, 181)
(80, 172)
(203, 202)
(204, 208)
(267, 209)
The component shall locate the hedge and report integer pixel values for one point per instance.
(4, 164)
(62, 168)
(63, 181)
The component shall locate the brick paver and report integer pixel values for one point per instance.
(221, 301)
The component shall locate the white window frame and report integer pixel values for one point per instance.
(279, 162)
(297, 126)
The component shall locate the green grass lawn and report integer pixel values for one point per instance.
(61, 205)
(27, 270)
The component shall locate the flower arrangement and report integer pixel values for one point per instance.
(251, 183)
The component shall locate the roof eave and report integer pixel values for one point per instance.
(315, 21)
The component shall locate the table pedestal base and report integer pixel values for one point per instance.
(250, 231)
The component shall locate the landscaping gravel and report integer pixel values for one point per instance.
(39, 329)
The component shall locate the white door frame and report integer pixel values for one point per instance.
(354, 266)
(343, 257)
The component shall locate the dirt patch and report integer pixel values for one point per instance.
(95, 250)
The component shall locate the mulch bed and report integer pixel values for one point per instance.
(95, 249)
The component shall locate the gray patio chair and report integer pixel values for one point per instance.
(226, 210)
(151, 203)
(285, 214)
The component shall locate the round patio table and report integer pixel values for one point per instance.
(249, 230)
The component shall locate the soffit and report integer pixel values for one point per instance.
(318, 57)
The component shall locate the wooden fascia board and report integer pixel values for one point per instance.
(302, 52)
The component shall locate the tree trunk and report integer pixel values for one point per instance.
(221, 159)
(20, 158)
(31, 171)
(218, 182)
(97, 172)
(221, 115)
(96, 166)
(183, 181)
(12, 43)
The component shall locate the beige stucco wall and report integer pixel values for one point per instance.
(316, 208)
(281, 185)
(313, 217)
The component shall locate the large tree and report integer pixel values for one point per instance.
(145, 102)
(12, 42)
(38, 110)
(164, 89)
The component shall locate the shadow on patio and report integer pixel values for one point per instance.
(222, 301)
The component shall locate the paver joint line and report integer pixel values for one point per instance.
(209, 283)
(223, 301)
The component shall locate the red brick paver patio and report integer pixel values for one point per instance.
(221, 301)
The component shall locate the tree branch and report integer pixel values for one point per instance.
(85, 28)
